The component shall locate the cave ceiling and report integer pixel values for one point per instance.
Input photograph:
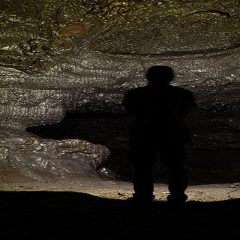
(32, 32)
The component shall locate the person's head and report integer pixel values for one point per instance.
(159, 75)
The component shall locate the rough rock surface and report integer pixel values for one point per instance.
(27, 157)
(59, 56)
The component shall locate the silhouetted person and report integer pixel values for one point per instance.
(157, 114)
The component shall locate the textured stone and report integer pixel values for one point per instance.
(58, 56)
(25, 157)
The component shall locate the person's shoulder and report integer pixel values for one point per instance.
(132, 95)
(182, 91)
(187, 96)
(135, 91)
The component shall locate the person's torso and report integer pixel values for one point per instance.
(158, 113)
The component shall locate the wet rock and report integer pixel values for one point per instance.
(59, 56)
(26, 157)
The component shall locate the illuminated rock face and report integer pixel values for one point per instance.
(57, 56)
(26, 157)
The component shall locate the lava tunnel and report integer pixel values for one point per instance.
(65, 66)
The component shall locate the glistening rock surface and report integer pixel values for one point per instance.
(58, 56)
(26, 157)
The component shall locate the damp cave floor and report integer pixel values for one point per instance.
(98, 209)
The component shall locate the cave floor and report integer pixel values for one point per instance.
(98, 209)
(122, 190)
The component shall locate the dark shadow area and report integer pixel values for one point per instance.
(69, 215)
(205, 166)
(107, 129)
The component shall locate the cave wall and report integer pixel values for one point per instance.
(58, 56)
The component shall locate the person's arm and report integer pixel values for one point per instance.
(186, 104)
(190, 107)
(127, 106)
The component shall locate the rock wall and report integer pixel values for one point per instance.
(58, 56)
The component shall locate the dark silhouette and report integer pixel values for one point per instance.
(158, 130)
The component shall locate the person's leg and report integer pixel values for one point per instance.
(143, 182)
(142, 156)
(177, 180)
(177, 183)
